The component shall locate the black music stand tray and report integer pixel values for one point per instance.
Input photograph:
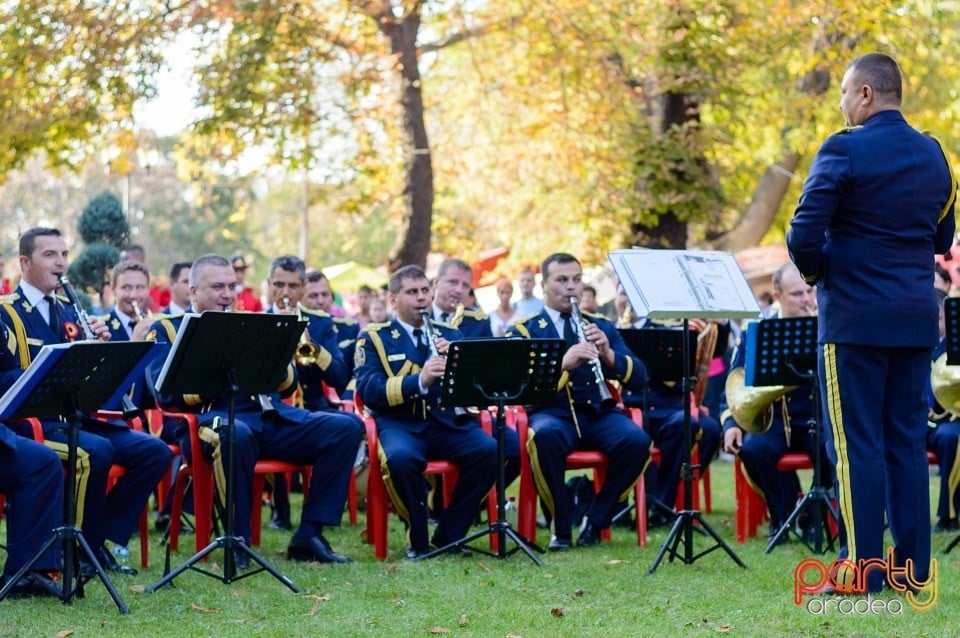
(784, 352)
(661, 350)
(527, 372)
(69, 381)
(225, 354)
(951, 314)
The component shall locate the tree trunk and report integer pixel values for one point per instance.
(413, 243)
(670, 232)
(760, 213)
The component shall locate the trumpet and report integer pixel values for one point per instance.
(606, 399)
(307, 352)
(285, 300)
(459, 414)
(82, 316)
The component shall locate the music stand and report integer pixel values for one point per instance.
(661, 350)
(224, 354)
(783, 352)
(682, 284)
(527, 372)
(68, 381)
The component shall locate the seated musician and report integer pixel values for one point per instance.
(317, 295)
(35, 315)
(398, 380)
(319, 361)
(579, 418)
(268, 428)
(943, 438)
(31, 477)
(662, 403)
(790, 428)
(450, 296)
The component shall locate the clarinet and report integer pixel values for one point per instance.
(127, 406)
(460, 415)
(606, 399)
(84, 319)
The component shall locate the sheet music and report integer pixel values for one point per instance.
(25, 379)
(684, 283)
(176, 345)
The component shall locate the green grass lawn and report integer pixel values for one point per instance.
(602, 591)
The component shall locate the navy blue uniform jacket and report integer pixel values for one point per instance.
(877, 205)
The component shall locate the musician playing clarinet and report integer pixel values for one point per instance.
(582, 416)
(36, 315)
(399, 366)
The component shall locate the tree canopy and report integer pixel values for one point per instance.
(456, 126)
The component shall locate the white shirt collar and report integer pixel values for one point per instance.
(32, 293)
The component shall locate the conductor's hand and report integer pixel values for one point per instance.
(100, 329)
(733, 440)
(578, 354)
(432, 370)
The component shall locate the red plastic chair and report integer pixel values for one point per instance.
(578, 459)
(378, 502)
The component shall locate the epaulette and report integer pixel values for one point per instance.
(64, 299)
(373, 327)
(524, 319)
(596, 315)
(315, 313)
(476, 314)
(848, 129)
(346, 320)
(10, 298)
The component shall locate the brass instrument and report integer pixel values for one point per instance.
(457, 315)
(945, 382)
(606, 399)
(84, 319)
(752, 406)
(307, 352)
(623, 321)
(706, 345)
(137, 313)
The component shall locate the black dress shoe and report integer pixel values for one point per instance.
(946, 525)
(109, 563)
(241, 561)
(314, 550)
(33, 584)
(559, 544)
(415, 554)
(439, 541)
(589, 534)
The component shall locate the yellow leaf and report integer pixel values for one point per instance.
(578, 592)
(722, 629)
(617, 561)
(137, 588)
(204, 609)
(64, 633)
(439, 630)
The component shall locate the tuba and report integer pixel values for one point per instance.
(945, 382)
(752, 406)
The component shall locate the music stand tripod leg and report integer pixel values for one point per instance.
(686, 518)
(229, 541)
(501, 526)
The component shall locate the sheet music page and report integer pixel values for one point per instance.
(25, 379)
(684, 284)
(176, 344)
